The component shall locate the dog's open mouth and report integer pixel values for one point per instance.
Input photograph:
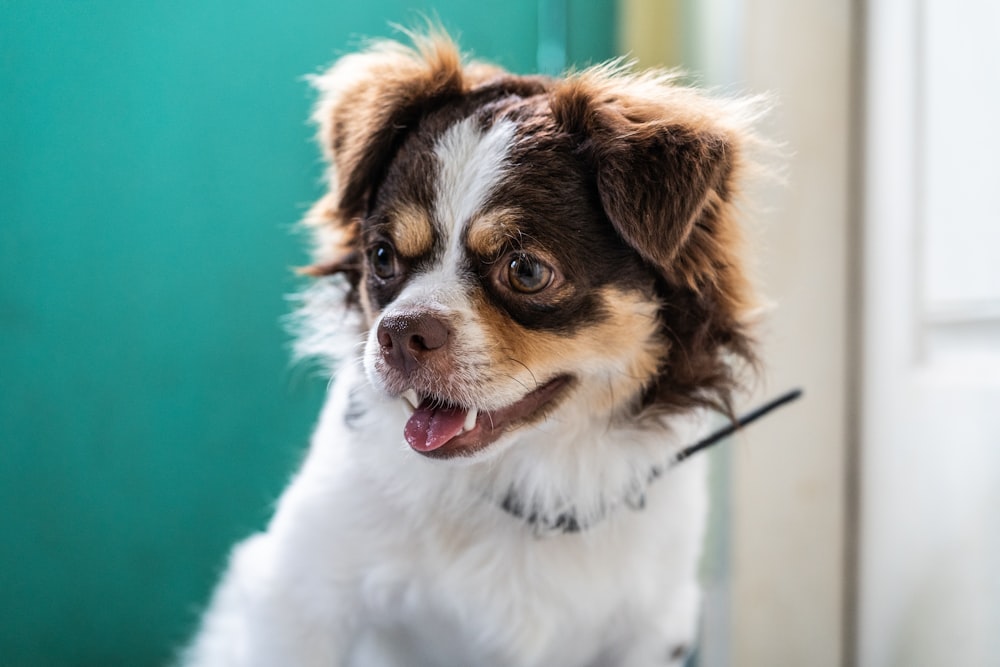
(439, 429)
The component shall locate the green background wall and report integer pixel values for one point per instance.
(154, 157)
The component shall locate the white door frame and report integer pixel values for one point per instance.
(929, 547)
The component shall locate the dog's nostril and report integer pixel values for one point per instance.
(384, 337)
(430, 334)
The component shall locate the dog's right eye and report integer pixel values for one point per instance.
(382, 259)
(527, 275)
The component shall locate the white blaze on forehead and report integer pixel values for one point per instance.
(470, 164)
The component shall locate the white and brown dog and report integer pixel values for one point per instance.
(548, 297)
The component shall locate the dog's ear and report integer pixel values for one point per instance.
(666, 161)
(661, 157)
(368, 101)
(656, 180)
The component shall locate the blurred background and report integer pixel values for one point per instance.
(155, 157)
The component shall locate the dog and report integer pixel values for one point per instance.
(535, 291)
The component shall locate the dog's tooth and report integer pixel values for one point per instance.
(470, 419)
(410, 396)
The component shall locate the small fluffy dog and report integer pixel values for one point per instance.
(542, 290)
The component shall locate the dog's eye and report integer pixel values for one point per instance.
(528, 275)
(383, 260)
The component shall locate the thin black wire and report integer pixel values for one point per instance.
(729, 429)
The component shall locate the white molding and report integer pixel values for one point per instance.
(970, 311)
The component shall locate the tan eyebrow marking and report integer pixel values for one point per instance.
(489, 234)
(411, 231)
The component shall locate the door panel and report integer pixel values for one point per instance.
(930, 449)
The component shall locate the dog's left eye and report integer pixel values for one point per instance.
(527, 274)
(383, 260)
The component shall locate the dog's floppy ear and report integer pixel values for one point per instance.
(655, 182)
(666, 161)
(661, 157)
(368, 102)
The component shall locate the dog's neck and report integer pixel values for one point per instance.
(569, 522)
(578, 469)
(572, 470)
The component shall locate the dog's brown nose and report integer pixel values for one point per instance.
(408, 339)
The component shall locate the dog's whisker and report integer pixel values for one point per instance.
(525, 366)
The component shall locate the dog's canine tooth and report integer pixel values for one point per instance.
(470, 419)
(410, 396)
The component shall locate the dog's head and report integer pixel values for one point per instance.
(520, 243)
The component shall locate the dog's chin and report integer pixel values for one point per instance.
(441, 428)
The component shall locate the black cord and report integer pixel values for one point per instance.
(728, 430)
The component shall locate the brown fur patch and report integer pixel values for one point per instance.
(625, 343)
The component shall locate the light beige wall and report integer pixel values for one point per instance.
(788, 496)
(790, 473)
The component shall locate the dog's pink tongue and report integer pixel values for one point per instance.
(429, 428)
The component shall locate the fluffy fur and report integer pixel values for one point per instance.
(557, 263)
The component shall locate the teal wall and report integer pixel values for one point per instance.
(154, 157)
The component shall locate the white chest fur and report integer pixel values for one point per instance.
(377, 556)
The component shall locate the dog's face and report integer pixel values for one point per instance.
(494, 286)
(520, 246)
